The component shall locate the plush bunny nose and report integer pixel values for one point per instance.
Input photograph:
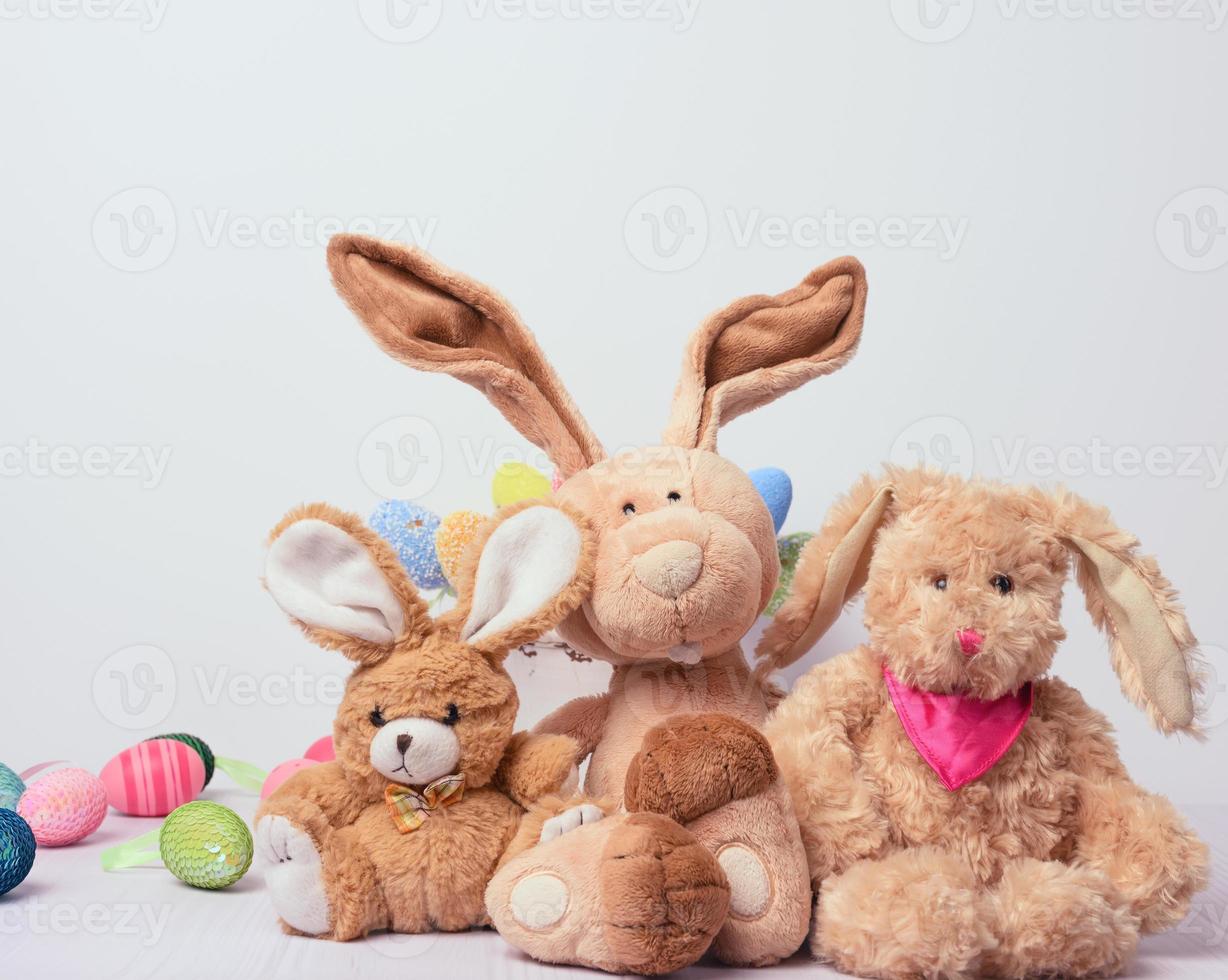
(403, 743)
(970, 642)
(670, 569)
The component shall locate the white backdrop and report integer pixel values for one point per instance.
(1037, 191)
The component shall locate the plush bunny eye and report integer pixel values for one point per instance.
(453, 715)
(377, 718)
(940, 583)
(1003, 584)
(673, 496)
(628, 509)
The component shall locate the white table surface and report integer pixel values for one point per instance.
(70, 919)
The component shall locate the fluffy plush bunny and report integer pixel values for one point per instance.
(699, 847)
(964, 813)
(405, 828)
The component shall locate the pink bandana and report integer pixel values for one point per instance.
(960, 737)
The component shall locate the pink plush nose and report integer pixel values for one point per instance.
(970, 642)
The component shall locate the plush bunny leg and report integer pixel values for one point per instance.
(633, 893)
(757, 844)
(1144, 846)
(915, 913)
(293, 875)
(1055, 919)
(717, 775)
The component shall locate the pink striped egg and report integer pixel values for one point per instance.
(153, 778)
(63, 806)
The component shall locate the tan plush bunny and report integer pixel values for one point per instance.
(698, 847)
(965, 813)
(403, 831)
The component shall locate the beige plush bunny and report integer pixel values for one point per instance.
(964, 813)
(698, 847)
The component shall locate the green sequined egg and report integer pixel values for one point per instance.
(790, 547)
(201, 749)
(206, 845)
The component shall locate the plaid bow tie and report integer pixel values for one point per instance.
(409, 808)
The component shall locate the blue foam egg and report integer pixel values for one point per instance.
(11, 788)
(17, 849)
(776, 489)
(410, 530)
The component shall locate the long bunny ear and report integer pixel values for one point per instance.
(760, 347)
(342, 584)
(831, 570)
(434, 319)
(529, 568)
(1152, 648)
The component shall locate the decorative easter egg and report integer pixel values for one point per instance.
(452, 537)
(202, 749)
(206, 845)
(514, 482)
(17, 847)
(790, 548)
(410, 530)
(776, 489)
(63, 806)
(11, 788)
(321, 750)
(152, 778)
(283, 772)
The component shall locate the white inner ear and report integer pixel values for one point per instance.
(528, 560)
(322, 577)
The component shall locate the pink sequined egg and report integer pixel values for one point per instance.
(63, 806)
(283, 772)
(153, 778)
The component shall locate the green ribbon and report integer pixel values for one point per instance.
(244, 773)
(134, 852)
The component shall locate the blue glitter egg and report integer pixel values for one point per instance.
(410, 530)
(11, 788)
(16, 850)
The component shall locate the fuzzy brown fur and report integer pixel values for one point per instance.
(433, 878)
(1053, 861)
(675, 646)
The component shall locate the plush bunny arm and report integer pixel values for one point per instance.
(837, 808)
(318, 799)
(1135, 838)
(582, 719)
(536, 765)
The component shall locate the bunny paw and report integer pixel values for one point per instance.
(293, 875)
(571, 819)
